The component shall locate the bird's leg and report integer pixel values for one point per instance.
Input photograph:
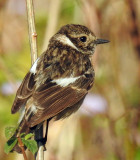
(41, 135)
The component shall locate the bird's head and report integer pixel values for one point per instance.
(79, 37)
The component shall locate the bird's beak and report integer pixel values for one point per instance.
(101, 41)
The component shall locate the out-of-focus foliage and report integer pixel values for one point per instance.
(112, 133)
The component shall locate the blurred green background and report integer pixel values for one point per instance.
(108, 125)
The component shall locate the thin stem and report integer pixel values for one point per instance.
(33, 48)
(21, 145)
(54, 11)
(40, 153)
(32, 30)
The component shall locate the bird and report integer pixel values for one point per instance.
(58, 81)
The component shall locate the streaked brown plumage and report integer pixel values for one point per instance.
(59, 80)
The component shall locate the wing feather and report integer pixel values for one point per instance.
(53, 100)
(24, 92)
(49, 99)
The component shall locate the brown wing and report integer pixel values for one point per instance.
(24, 92)
(51, 99)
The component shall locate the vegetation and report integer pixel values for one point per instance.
(111, 134)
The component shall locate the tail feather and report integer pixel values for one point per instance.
(22, 128)
(40, 130)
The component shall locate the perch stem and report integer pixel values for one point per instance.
(21, 145)
(34, 55)
(32, 30)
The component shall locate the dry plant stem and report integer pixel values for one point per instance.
(21, 145)
(32, 30)
(40, 151)
(54, 11)
(134, 31)
(33, 47)
(116, 146)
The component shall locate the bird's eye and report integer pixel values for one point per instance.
(83, 39)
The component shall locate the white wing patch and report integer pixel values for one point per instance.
(65, 81)
(66, 40)
(33, 108)
(33, 68)
(22, 113)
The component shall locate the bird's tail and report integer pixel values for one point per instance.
(22, 128)
(40, 133)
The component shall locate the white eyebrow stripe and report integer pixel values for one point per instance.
(65, 40)
(65, 81)
(33, 68)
